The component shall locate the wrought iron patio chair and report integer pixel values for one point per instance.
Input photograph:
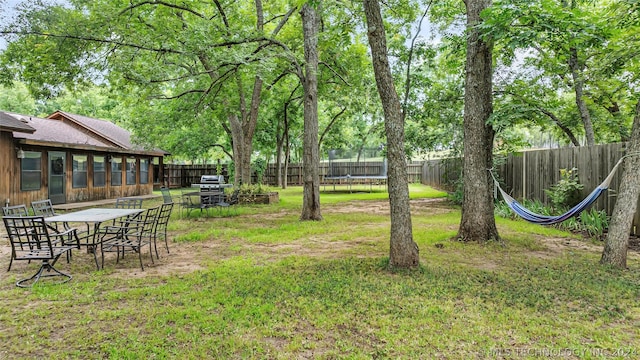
(166, 195)
(160, 229)
(15, 210)
(229, 202)
(116, 226)
(129, 203)
(133, 234)
(187, 203)
(45, 209)
(31, 239)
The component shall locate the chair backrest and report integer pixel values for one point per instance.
(43, 208)
(16, 210)
(150, 219)
(166, 195)
(163, 216)
(128, 203)
(28, 232)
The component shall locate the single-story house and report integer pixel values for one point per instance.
(72, 158)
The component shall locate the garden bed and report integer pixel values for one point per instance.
(267, 198)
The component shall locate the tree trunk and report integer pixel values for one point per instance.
(615, 248)
(287, 156)
(279, 147)
(242, 131)
(478, 222)
(578, 86)
(311, 158)
(240, 150)
(403, 250)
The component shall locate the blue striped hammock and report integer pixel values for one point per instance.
(532, 217)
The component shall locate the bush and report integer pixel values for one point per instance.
(595, 223)
(568, 191)
(253, 189)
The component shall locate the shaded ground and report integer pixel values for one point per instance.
(189, 257)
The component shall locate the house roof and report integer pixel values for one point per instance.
(12, 123)
(62, 129)
(108, 131)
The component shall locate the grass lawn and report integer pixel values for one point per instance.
(263, 285)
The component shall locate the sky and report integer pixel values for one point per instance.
(6, 11)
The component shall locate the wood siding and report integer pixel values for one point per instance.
(10, 172)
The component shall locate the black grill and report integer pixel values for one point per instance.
(212, 179)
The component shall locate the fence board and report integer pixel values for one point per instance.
(527, 174)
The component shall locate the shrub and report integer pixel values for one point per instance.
(595, 223)
(567, 192)
(253, 189)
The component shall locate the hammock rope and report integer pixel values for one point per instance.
(532, 217)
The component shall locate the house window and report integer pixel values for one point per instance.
(116, 171)
(80, 164)
(131, 171)
(31, 171)
(99, 171)
(144, 171)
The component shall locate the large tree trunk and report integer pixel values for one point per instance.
(403, 250)
(577, 74)
(240, 150)
(615, 248)
(243, 129)
(478, 222)
(311, 157)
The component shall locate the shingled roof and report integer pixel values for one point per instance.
(61, 128)
(108, 131)
(13, 123)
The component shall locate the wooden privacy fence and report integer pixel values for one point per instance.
(526, 175)
(177, 176)
(373, 168)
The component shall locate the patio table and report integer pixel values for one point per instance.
(95, 216)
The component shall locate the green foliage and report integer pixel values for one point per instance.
(593, 223)
(231, 171)
(259, 165)
(16, 98)
(253, 189)
(457, 195)
(567, 192)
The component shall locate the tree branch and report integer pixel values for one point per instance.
(407, 85)
(163, 97)
(335, 72)
(223, 150)
(333, 120)
(91, 39)
(174, 6)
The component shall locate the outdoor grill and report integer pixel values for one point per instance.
(211, 189)
(211, 181)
